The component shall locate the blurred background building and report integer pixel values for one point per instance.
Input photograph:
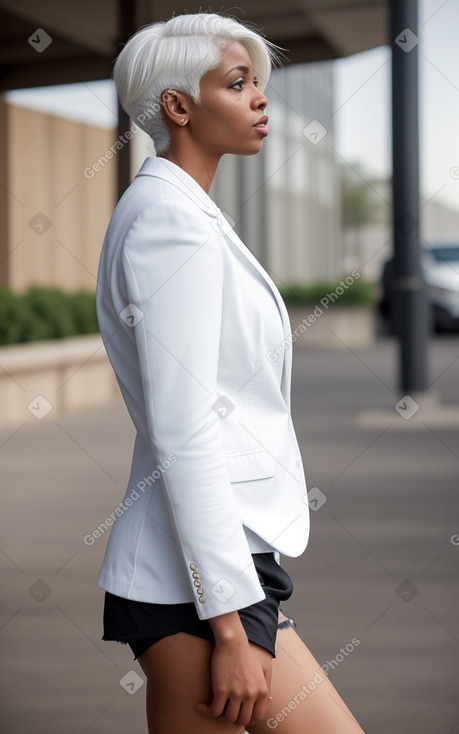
(284, 203)
(305, 212)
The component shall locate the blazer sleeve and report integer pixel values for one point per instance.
(173, 269)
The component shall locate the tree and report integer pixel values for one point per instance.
(361, 204)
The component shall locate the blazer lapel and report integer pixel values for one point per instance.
(231, 236)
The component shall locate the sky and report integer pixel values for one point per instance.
(362, 104)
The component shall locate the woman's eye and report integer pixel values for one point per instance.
(239, 83)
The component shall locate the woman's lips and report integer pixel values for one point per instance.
(262, 125)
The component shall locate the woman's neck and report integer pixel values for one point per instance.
(202, 168)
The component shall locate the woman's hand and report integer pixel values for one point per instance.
(240, 674)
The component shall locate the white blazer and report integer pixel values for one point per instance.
(191, 323)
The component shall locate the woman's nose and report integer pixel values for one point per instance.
(262, 102)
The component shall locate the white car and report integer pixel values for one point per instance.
(440, 269)
(440, 265)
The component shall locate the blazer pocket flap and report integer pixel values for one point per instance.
(257, 464)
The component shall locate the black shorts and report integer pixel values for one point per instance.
(141, 624)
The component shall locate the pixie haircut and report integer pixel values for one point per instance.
(176, 54)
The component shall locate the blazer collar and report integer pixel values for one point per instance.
(165, 169)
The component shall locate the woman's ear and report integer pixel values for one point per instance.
(176, 106)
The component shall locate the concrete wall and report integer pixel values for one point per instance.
(46, 379)
(52, 217)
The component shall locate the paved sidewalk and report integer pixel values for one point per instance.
(380, 566)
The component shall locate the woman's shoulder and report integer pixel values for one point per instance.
(153, 209)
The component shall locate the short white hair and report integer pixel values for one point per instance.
(176, 54)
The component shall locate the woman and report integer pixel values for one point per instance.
(196, 332)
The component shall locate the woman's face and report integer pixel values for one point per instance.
(231, 106)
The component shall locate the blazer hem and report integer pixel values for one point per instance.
(125, 589)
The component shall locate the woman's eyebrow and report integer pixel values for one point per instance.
(242, 69)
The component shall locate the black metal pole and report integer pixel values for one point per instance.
(410, 317)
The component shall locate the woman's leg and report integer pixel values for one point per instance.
(304, 701)
(178, 678)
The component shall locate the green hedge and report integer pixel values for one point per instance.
(355, 293)
(45, 313)
(49, 313)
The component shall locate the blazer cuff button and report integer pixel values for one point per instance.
(202, 599)
(194, 566)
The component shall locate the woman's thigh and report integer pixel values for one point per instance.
(303, 701)
(178, 678)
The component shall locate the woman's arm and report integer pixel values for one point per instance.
(173, 267)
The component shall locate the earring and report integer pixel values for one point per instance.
(182, 120)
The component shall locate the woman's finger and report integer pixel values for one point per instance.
(258, 710)
(216, 708)
(245, 714)
(232, 711)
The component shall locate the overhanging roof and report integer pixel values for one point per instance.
(88, 35)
